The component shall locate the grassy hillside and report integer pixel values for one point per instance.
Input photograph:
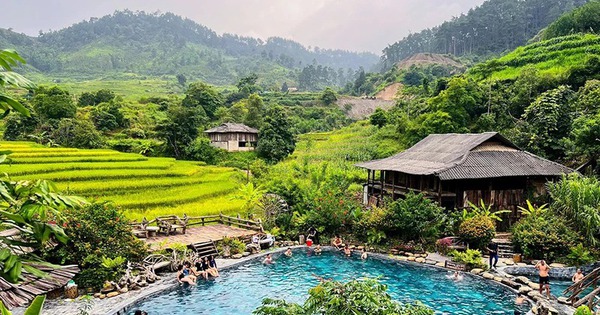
(554, 57)
(143, 187)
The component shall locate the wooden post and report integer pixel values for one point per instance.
(439, 183)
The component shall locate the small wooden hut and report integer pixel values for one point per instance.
(455, 168)
(233, 137)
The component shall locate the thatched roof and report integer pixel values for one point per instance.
(232, 128)
(15, 295)
(467, 156)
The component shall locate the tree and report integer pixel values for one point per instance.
(247, 85)
(379, 118)
(284, 87)
(8, 78)
(255, 108)
(180, 128)
(366, 296)
(181, 79)
(108, 116)
(86, 99)
(76, 133)
(103, 96)
(328, 96)
(53, 103)
(275, 138)
(202, 95)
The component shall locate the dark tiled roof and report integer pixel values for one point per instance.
(232, 127)
(452, 156)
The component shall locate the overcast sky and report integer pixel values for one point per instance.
(359, 25)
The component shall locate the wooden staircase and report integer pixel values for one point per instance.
(204, 249)
(505, 246)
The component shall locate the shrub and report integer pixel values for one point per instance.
(477, 231)
(98, 233)
(583, 310)
(235, 246)
(77, 134)
(471, 257)
(443, 245)
(579, 256)
(413, 218)
(544, 237)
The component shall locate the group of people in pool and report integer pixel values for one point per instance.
(204, 267)
(339, 244)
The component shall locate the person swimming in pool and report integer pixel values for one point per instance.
(318, 250)
(288, 252)
(363, 256)
(268, 260)
(347, 251)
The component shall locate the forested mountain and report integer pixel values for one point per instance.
(167, 44)
(494, 27)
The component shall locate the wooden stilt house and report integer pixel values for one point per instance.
(455, 168)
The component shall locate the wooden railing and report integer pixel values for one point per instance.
(186, 221)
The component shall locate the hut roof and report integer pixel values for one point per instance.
(232, 127)
(15, 295)
(467, 156)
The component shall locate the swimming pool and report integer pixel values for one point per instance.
(241, 289)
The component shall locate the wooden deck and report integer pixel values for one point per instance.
(197, 234)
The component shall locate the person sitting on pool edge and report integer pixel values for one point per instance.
(200, 271)
(268, 260)
(212, 264)
(347, 251)
(288, 252)
(337, 242)
(184, 276)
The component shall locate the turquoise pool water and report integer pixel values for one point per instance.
(241, 289)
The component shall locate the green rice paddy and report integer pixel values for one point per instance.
(141, 186)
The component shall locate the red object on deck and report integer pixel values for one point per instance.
(309, 242)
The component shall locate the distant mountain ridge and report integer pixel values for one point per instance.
(167, 44)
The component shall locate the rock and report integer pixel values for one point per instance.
(487, 275)
(394, 251)
(524, 289)
(533, 285)
(360, 247)
(403, 258)
(509, 262)
(245, 254)
(102, 296)
(97, 295)
(476, 271)
(440, 264)
(420, 260)
(522, 264)
(352, 247)
(510, 283)
(556, 265)
(424, 255)
(143, 284)
(411, 258)
(499, 279)
(430, 262)
(135, 286)
(522, 279)
(237, 256)
(123, 290)
(533, 294)
(296, 243)
(107, 287)
(112, 294)
(563, 300)
(409, 254)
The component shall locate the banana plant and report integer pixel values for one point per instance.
(35, 308)
(483, 210)
(8, 78)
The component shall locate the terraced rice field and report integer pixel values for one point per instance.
(141, 186)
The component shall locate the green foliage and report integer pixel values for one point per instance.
(546, 237)
(96, 234)
(53, 103)
(35, 308)
(275, 139)
(577, 199)
(201, 150)
(583, 310)
(180, 128)
(108, 116)
(579, 256)
(77, 133)
(533, 211)
(585, 19)
(251, 196)
(366, 296)
(202, 95)
(477, 231)
(471, 257)
(483, 210)
(235, 246)
(379, 118)
(413, 218)
(328, 96)
(255, 110)
(8, 78)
